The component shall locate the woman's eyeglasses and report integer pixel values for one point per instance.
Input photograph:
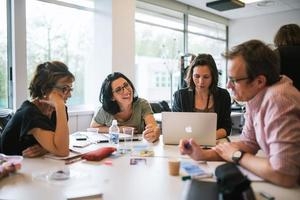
(120, 90)
(64, 88)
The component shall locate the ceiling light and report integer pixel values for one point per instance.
(223, 5)
(265, 3)
(250, 1)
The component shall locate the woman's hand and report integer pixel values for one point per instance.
(151, 133)
(53, 98)
(34, 151)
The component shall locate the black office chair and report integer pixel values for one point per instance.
(165, 106)
(5, 116)
(158, 107)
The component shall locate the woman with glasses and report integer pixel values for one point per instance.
(41, 124)
(204, 95)
(120, 101)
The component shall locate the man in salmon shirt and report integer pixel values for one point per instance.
(272, 118)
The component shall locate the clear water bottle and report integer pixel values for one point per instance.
(114, 133)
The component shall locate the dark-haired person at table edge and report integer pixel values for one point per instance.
(287, 43)
(41, 124)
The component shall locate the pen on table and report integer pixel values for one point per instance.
(188, 177)
(188, 145)
(82, 138)
(266, 196)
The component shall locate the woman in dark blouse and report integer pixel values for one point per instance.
(40, 125)
(204, 95)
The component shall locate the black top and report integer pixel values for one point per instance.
(184, 101)
(290, 63)
(15, 137)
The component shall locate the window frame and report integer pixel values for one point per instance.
(149, 7)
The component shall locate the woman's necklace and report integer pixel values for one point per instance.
(205, 109)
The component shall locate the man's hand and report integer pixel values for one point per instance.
(225, 150)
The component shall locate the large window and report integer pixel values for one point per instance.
(205, 36)
(159, 43)
(161, 40)
(3, 56)
(58, 32)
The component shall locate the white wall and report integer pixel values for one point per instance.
(115, 52)
(262, 27)
(123, 37)
(19, 52)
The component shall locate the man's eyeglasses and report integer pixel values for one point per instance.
(120, 90)
(235, 80)
(64, 88)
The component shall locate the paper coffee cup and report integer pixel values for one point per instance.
(174, 166)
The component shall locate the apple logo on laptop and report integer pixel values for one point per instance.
(188, 129)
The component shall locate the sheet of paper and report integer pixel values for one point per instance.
(52, 156)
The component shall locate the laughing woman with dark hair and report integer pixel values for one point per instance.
(120, 101)
(40, 125)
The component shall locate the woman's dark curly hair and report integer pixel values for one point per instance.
(46, 76)
(106, 93)
(201, 60)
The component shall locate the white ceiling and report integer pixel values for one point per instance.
(250, 10)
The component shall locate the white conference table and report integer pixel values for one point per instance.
(115, 180)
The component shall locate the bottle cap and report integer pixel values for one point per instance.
(114, 122)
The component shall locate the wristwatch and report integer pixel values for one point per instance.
(237, 156)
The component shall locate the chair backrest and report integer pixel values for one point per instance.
(5, 116)
(165, 106)
(158, 107)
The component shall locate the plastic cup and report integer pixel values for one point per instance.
(128, 137)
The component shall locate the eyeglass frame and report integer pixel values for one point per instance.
(64, 88)
(233, 81)
(120, 89)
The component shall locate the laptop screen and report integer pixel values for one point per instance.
(184, 125)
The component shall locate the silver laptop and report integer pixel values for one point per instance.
(184, 125)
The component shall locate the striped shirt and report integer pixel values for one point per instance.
(272, 124)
